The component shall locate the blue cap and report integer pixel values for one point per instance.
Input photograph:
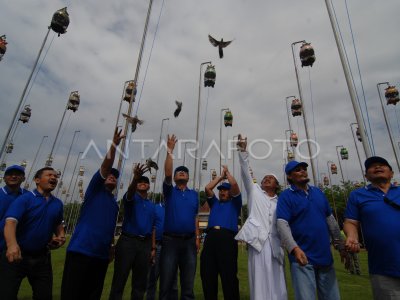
(291, 165)
(115, 172)
(224, 186)
(376, 159)
(181, 168)
(15, 168)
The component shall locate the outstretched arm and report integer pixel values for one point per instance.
(244, 165)
(169, 159)
(235, 191)
(213, 183)
(110, 156)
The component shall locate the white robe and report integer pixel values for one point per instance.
(266, 257)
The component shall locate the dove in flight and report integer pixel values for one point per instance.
(221, 44)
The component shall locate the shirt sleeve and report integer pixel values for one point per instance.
(211, 201)
(95, 185)
(351, 211)
(237, 202)
(167, 190)
(283, 210)
(17, 208)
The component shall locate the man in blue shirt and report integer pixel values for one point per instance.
(377, 208)
(220, 250)
(33, 225)
(13, 177)
(136, 247)
(306, 224)
(91, 246)
(181, 240)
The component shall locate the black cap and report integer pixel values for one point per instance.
(376, 159)
(143, 179)
(181, 168)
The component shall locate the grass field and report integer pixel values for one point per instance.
(351, 286)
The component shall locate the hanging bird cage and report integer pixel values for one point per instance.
(3, 166)
(81, 195)
(209, 76)
(121, 185)
(153, 178)
(3, 46)
(49, 161)
(64, 191)
(296, 107)
(213, 174)
(392, 95)
(9, 147)
(333, 169)
(74, 101)
(24, 164)
(204, 165)
(290, 156)
(320, 186)
(344, 154)
(326, 180)
(307, 55)
(60, 21)
(294, 140)
(358, 134)
(80, 183)
(130, 88)
(59, 174)
(25, 114)
(228, 119)
(81, 170)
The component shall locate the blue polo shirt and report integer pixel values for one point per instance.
(94, 231)
(380, 224)
(181, 209)
(159, 224)
(6, 197)
(306, 214)
(37, 218)
(225, 213)
(139, 216)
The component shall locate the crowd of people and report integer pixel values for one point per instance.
(161, 241)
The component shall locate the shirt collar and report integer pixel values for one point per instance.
(138, 197)
(36, 193)
(8, 191)
(176, 187)
(371, 187)
(293, 188)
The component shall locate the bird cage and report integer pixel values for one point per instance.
(228, 118)
(80, 183)
(333, 169)
(81, 170)
(81, 195)
(80, 190)
(209, 76)
(25, 114)
(59, 174)
(320, 186)
(130, 88)
(74, 101)
(357, 184)
(344, 154)
(3, 46)
(296, 107)
(307, 55)
(64, 191)
(9, 147)
(153, 178)
(358, 134)
(24, 163)
(290, 156)
(49, 161)
(326, 180)
(392, 95)
(213, 174)
(60, 21)
(121, 185)
(1, 179)
(3, 166)
(294, 140)
(204, 165)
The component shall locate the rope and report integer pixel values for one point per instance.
(313, 115)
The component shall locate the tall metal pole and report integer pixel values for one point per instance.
(123, 143)
(197, 128)
(220, 138)
(66, 161)
(358, 154)
(304, 114)
(356, 108)
(34, 162)
(287, 110)
(158, 153)
(387, 125)
(331, 186)
(73, 174)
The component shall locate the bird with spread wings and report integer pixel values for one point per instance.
(220, 44)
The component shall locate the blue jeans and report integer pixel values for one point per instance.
(308, 281)
(177, 253)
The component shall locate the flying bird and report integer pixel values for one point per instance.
(151, 164)
(133, 121)
(221, 44)
(178, 108)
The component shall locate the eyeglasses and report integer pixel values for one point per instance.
(391, 203)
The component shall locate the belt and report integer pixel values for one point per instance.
(137, 237)
(219, 228)
(179, 236)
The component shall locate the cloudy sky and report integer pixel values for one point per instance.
(100, 52)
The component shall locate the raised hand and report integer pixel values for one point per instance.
(139, 170)
(171, 141)
(118, 136)
(241, 143)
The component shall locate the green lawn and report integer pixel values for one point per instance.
(351, 286)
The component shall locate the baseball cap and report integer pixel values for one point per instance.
(115, 172)
(143, 179)
(292, 165)
(224, 186)
(376, 159)
(15, 168)
(181, 169)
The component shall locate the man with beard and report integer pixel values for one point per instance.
(377, 208)
(92, 244)
(305, 224)
(33, 225)
(181, 240)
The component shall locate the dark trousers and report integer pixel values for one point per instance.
(36, 267)
(177, 252)
(219, 257)
(131, 254)
(83, 277)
